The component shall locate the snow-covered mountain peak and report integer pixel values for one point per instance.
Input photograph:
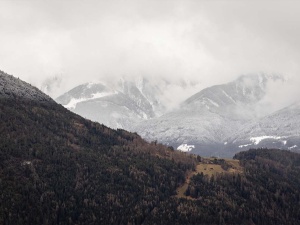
(247, 89)
(118, 103)
(74, 101)
(84, 92)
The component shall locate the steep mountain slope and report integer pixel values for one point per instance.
(208, 118)
(58, 168)
(278, 130)
(116, 105)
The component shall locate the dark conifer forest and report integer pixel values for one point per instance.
(58, 168)
(267, 192)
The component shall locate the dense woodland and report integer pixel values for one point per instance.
(267, 192)
(59, 168)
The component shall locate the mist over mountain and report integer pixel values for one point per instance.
(212, 121)
(279, 129)
(124, 102)
(52, 85)
(207, 119)
(118, 106)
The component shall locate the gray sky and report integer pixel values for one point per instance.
(210, 42)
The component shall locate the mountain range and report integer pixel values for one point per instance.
(58, 168)
(219, 120)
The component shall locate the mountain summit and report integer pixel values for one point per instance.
(119, 105)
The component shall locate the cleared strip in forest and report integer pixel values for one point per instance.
(209, 166)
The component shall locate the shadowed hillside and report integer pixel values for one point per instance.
(58, 168)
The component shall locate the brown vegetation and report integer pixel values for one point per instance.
(209, 167)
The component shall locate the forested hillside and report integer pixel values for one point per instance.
(266, 192)
(58, 168)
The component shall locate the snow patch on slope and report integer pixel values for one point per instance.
(212, 102)
(257, 140)
(242, 146)
(185, 147)
(74, 101)
(228, 96)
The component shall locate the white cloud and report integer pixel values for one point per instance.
(209, 42)
(279, 94)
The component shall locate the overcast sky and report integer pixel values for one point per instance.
(210, 42)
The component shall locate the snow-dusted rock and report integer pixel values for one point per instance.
(117, 105)
(11, 87)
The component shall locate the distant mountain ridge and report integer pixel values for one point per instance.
(281, 129)
(212, 116)
(119, 106)
(214, 121)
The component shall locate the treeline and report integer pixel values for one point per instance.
(58, 168)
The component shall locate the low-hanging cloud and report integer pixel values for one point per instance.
(280, 93)
(206, 42)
